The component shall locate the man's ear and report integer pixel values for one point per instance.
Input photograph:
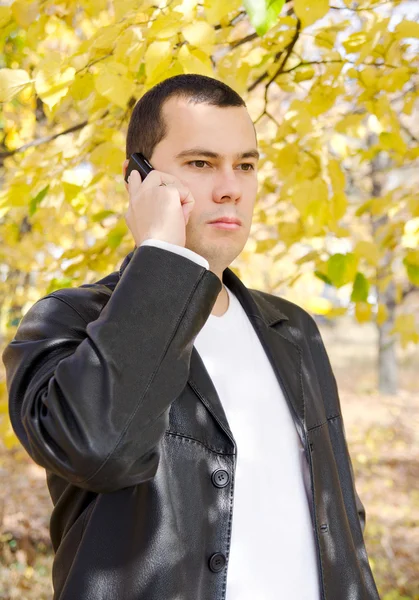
(124, 170)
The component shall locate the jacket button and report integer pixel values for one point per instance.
(217, 562)
(220, 478)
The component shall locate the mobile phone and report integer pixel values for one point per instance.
(139, 163)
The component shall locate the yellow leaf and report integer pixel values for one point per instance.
(304, 73)
(318, 306)
(392, 141)
(106, 37)
(382, 314)
(71, 191)
(350, 124)
(52, 79)
(165, 27)
(289, 232)
(201, 35)
(5, 15)
(19, 194)
(369, 76)
(412, 257)
(25, 12)
(195, 61)
(363, 312)
(129, 48)
(395, 80)
(157, 59)
(299, 117)
(287, 158)
(322, 98)
(123, 8)
(217, 11)
(12, 81)
(407, 29)
(94, 7)
(240, 81)
(309, 12)
(263, 246)
(337, 311)
(409, 103)
(405, 326)
(113, 83)
(338, 206)
(337, 176)
(82, 86)
(109, 157)
(325, 39)
(369, 251)
(355, 41)
(187, 8)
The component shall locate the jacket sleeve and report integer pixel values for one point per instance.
(89, 399)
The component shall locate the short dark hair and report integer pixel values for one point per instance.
(147, 127)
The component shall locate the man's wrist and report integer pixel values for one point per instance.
(181, 250)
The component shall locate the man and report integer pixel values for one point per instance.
(190, 428)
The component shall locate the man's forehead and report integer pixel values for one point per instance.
(178, 105)
(183, 116)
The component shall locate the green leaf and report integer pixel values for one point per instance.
(263, 14)
(412, 273)
(360, 289)
(341, 268)
(99, 216)
(35, 202)
(116, 234)
(323, 277)
(58, 283)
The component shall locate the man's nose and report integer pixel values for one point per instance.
(227, 186)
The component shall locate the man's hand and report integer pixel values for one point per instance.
(159, 208)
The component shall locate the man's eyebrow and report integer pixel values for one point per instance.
(209, 154)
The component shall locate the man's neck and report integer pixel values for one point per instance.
(221, 304)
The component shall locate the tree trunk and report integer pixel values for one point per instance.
(387, 359)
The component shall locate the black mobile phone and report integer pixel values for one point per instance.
(139, 163)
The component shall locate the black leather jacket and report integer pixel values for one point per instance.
(108, 393)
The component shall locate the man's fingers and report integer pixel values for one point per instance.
(156, 178)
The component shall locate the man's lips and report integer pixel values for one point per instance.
(227, 220)
(225, 225)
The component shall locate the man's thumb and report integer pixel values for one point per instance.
(134, 180)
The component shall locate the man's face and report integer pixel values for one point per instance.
(222, 186)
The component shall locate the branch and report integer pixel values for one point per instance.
(360, 9)
(408, 132)
(244, 40)
(411, 288)
(340, 60)
(240, 15)
(46, 139)
(289, 49)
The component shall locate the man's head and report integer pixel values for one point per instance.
(208, 119)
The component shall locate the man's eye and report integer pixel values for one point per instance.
(198, 161)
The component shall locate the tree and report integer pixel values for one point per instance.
(316, 77)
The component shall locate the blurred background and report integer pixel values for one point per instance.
(333, 87)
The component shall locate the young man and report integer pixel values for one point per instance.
(190, 427)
